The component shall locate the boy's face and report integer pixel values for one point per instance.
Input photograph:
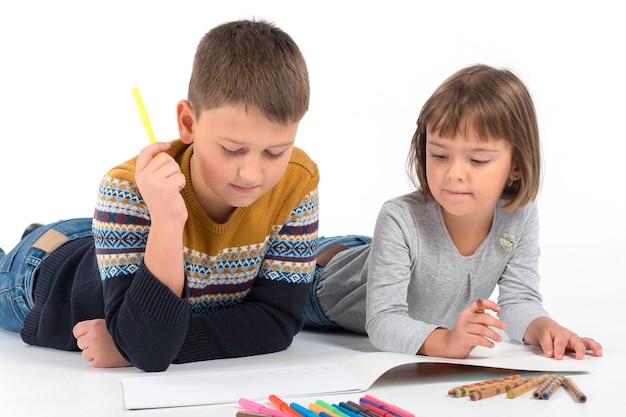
(238, 155)
(467, 175)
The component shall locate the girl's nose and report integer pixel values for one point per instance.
(456, 171)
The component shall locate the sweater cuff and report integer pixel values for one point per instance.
(156, 299)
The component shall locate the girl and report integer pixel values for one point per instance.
(438, 253)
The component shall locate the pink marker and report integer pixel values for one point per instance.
(394, 409)
(260, 408)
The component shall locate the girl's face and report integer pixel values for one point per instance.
(467, 175)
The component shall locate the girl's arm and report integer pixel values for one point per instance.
(388, 324)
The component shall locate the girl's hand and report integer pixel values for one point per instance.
(160, 182)
(97, 344)
(472, 329)
(555, 339)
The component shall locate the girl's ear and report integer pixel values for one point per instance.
(186, 121)
(515, 173)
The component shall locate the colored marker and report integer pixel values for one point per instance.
(143, 114)
(362, 410)
(282, 406)
(317, 409)
(354, 408)
(347, 411)
(377, 410)
(260, 408)
(332, 409)
(389, 407)
(250, 414)
(304, 412)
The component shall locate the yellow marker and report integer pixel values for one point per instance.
(143, 114)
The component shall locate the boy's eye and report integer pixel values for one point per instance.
(232, 151)
(273, 155)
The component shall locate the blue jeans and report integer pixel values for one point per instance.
(313, 316)
(19, 267)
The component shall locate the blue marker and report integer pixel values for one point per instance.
(305, 412)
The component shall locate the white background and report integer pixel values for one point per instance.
(67, 114)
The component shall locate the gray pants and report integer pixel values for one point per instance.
(337, 298)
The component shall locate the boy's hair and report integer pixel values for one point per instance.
(495, 104)
(253, 63)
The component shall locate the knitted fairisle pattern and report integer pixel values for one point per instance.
(215, 280)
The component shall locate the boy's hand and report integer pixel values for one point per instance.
(160, 182)
(97, 345)
(472, 329)
(555, 339)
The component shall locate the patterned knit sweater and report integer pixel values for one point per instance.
(247, 280)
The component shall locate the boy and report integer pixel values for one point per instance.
(200, 248)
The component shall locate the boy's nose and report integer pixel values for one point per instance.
(250, 170)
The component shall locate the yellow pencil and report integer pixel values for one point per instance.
(143, 114)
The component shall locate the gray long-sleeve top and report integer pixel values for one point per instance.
(418, 281)
(414, 279)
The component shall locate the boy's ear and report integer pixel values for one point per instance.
(186, 121)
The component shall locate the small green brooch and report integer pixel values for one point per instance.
(507, 241)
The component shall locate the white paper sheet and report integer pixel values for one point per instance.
(203, 388)
(355, 375)
(366, 368)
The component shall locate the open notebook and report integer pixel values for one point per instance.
(355, 375)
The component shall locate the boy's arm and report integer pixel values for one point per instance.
(140, 258)
(271, 313)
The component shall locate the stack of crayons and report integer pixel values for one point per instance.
(514, 385)
(368, 406)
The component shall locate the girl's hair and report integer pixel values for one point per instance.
(253, 63)
(495, 104)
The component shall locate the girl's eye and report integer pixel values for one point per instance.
(479, 161)
(439, 156)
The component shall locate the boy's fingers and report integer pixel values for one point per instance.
(148, 153)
